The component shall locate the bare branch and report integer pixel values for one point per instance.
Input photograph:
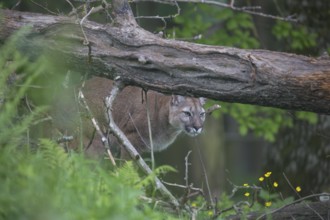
(184, 187)
(86, 41)
(129, 147)
(231, 5)
(74, 10)
(162, 18)
(104, 140)
(150, 134)
(44, 7)
(105, 6)
(212, 109)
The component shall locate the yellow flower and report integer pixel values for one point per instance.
(268, 174)
(247, 194)
(298, 188)
(261, 179)
(268, 204)
(210, 213)
(275, 184)
(246, 185)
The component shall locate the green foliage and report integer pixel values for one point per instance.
(48, 183)
(150, 179)
(217, 26)
(297, 37)
(11, 61)
(264, 193)
(128, 174)
(52, 185)
(268, 200)
(307, 116)
(265, 122)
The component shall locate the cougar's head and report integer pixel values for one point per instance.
(187, 114)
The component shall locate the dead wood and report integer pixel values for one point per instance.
(141, 58)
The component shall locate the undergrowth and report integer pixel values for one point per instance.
(48, 183)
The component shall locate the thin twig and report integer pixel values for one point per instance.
(74, 10)
(86, 42)
(237, 205)
(307, 205)
(236, 188)
(150, 134)
(231, 5)
(205, 176)
(162, 18)
(187, 166)
(152, 200)
(43, 7)
(105, 140)
(188, 187)
(16, 5)
(291, 186)
(136, 128)
(103, 7)
(184, 187)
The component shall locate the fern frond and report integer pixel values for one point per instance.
(150, 179)
(53, 154)
(164, 169)
(128, 174)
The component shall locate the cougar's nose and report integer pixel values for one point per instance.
(197, 130)
(193, 130)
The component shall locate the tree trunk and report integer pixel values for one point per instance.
(138, 57)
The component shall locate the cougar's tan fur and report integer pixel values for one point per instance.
(169, 116)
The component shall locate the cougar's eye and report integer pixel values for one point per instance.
(186, 113)
(202, 114)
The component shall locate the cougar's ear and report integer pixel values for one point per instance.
(202, 100)
(177, 99)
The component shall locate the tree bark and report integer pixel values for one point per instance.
(123, 49)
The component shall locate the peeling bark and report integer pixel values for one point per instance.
(141, 58)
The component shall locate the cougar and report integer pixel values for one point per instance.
(169, 116)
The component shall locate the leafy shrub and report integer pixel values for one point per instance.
(297, 37)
